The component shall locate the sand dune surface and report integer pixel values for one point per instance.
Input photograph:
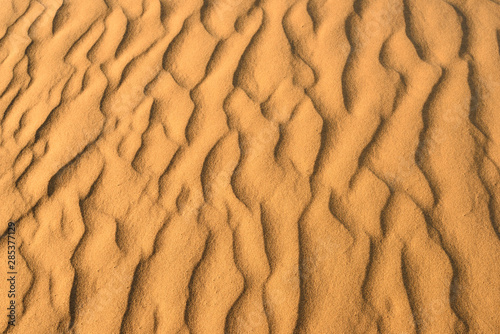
(240, 166)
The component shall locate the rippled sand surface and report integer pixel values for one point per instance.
(242, 166)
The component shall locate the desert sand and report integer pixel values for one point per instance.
(240, 166)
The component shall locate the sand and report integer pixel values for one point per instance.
(239, 166)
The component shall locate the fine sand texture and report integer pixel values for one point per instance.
(250, 166)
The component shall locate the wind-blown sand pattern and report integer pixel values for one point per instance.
(239, 166)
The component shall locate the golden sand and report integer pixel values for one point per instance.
(240, 166)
